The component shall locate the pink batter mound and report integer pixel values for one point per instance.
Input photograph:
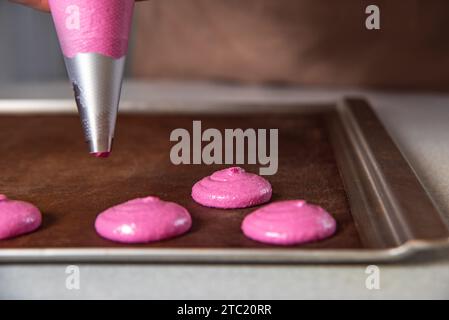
(232, 188)
(143, 220)
(17, 218)
(289, 222)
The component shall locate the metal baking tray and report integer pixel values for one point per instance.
(351, 167)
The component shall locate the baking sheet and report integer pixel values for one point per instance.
(337, 156)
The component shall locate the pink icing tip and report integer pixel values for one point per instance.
(17, 218)
(289, 222)
(143, 220)
(101, 154)
(232, 188)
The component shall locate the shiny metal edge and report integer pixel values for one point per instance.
(220, 256)
(66, 106)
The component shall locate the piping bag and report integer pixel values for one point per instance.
(93, 35)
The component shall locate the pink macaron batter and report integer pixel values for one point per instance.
(143, 220)
(288, 223)
(17, 218)
(232, 188)
(93, 26)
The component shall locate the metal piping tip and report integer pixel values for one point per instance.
(97, 82)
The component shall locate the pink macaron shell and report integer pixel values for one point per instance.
(288, 223)
(93, 26)
(143, 220)
(17, 218)
(232, 188)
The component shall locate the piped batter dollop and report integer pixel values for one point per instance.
(288, 223)
(17, 218)
(232, 188)
(143, 220)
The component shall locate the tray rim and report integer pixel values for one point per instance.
(222, 256)
(276, 255)
(380, 183)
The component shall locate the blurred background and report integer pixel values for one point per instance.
(29, 50)
(274, 42)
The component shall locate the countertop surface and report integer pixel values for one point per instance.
(417, 122)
